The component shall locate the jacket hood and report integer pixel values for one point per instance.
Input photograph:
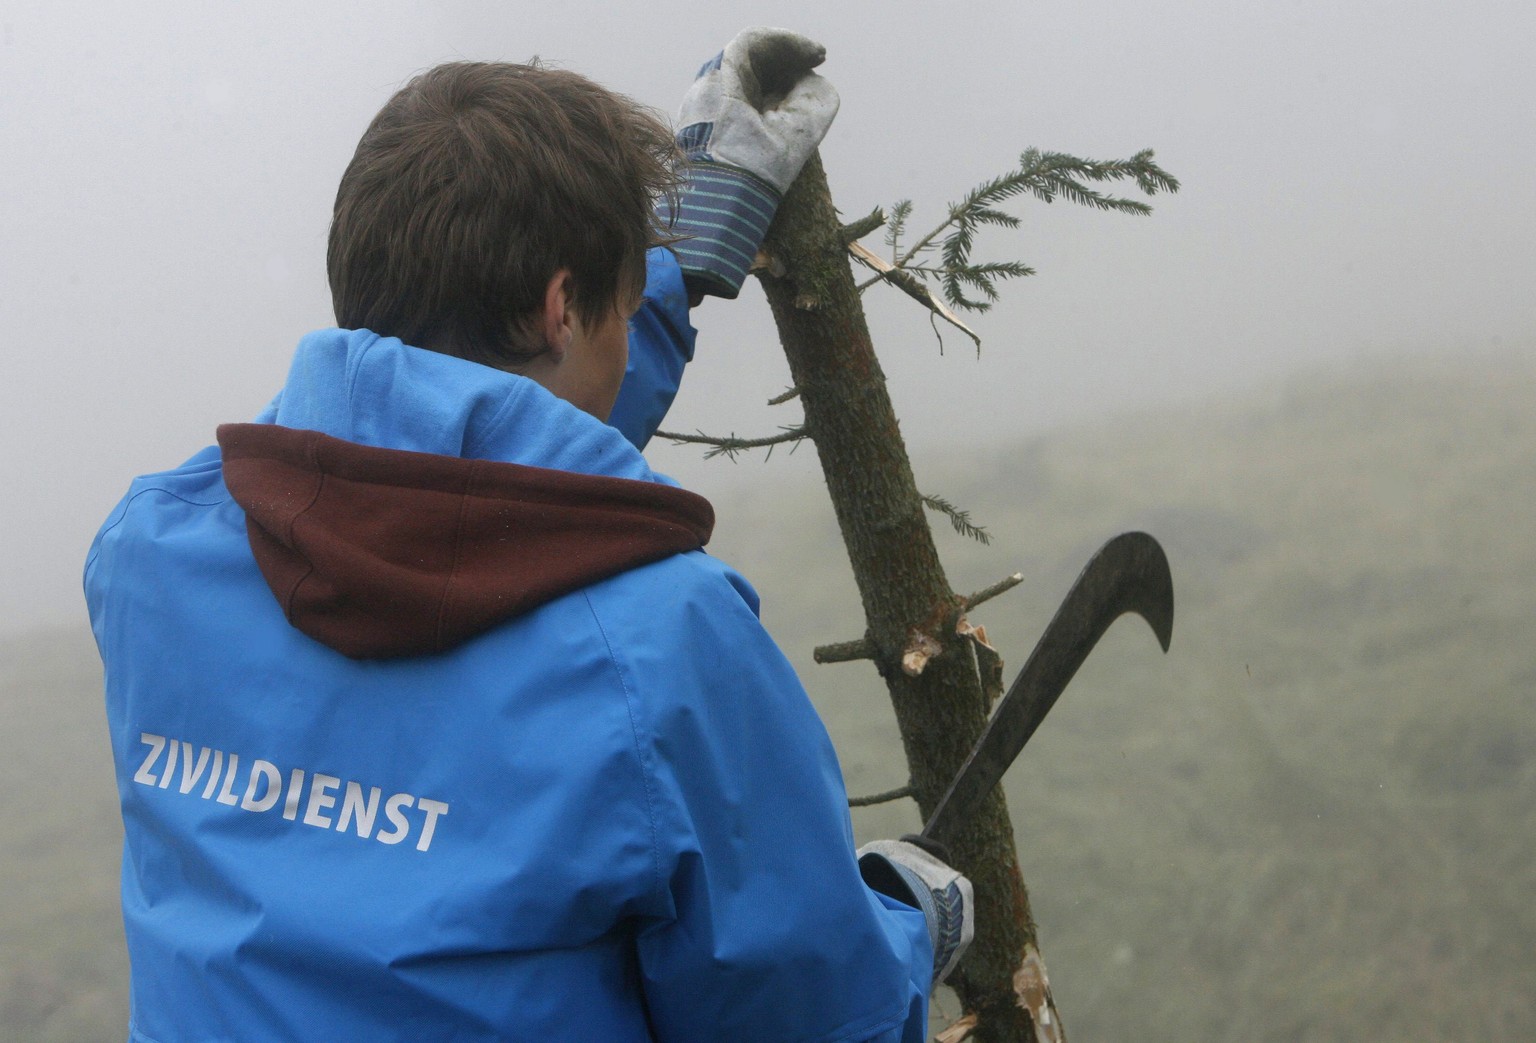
(387, 552)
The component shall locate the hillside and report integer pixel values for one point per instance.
(1315, 819)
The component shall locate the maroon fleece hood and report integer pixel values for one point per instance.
(383, 552)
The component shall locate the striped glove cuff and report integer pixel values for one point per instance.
(724, 214)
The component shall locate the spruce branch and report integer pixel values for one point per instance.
(730, 446)
(926, 242)
(1047, 176)
(961, 520)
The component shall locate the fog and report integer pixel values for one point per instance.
(1357, 185)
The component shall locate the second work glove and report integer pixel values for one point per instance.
(903, 871)
(752, 118)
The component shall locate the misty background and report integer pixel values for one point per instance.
(1357, 184)
(1310, 373)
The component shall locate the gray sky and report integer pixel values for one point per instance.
(1358, 183)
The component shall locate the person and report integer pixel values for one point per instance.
(431, 718)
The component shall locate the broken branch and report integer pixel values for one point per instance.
(732, 445)
(911, 286)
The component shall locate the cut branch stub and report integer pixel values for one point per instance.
(881, 798)
(863, 226)
(844, 651)
(1002, 586)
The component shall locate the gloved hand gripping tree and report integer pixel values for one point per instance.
(917, 632)
(754, 115)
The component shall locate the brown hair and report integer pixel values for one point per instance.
(473, 186)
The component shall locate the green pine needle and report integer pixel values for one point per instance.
(896, 224)
(961, 520)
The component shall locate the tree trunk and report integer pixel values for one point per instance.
(941, 707)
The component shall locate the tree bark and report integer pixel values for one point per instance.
(941, 708)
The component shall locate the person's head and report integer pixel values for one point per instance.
(496, 212)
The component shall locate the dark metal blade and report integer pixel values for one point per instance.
(1128, 574)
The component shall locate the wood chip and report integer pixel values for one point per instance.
(958, 1032)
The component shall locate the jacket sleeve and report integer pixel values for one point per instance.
(762, 928)
(660, 346)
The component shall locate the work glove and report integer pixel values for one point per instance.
(901, 870)
(753, 116)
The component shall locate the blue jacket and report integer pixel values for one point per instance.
(605, 813)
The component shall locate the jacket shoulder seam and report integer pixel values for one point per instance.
(634, 727)
(121, 515)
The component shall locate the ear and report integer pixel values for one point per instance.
(558, 315)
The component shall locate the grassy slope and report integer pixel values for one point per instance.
(63, 974)
(1314, 820)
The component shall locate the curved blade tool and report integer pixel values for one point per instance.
(1128, 574)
